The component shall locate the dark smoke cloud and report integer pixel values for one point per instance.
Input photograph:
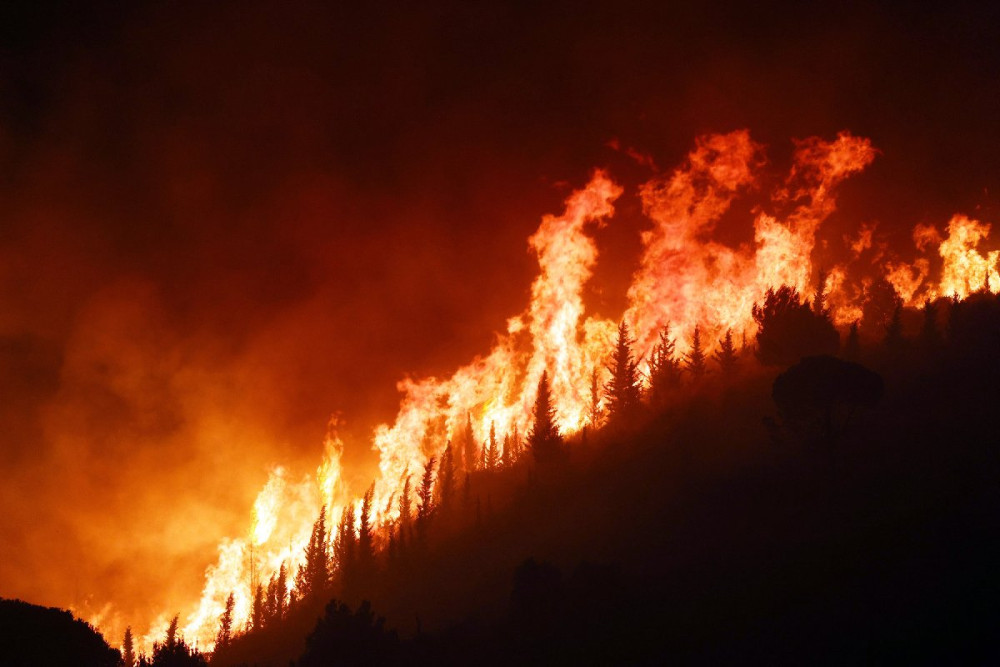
(218, 225)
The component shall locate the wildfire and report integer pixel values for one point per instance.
(685, 279)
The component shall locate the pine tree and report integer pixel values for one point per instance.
(505, 456)
(128, 648)
(544, 439)
(664, 368)
(315, 571)
(594, 409)
(695, 360)
(726, 355)
(445, 488)
(404, 512)
(225, 634)
(894, 329)
(281, 591)
(171, 640)
(271, 603)
(492, 452)
(819, 302)
(257, 611)
(346, 542)
(426, 495)
(623, 387)
(366, 548)
(469, 445)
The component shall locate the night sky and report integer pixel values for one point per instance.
(220, 225)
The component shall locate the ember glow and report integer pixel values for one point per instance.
(685, 278)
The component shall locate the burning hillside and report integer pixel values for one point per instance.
(687, 281)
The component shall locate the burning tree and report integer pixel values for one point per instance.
(544, 439)
(622, 389)
(664, 368)
(695, 361)
(789, 329)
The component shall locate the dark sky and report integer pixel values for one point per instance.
(237, 219)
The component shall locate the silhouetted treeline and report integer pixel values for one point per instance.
(793, 499)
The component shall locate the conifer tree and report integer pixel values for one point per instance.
(664, 368)
(444, 490)
(623, 387)
(695, 360)
(225, 634)
(505, 457)
(516, 445)
(271, 605)
(894, 329)
(492, 451)
(404, 512)
(726, 355)
(128, 648)
(346, 542)
(281, 591)
(544, 440)
(426, 495)
(594, 409)
(819, 302)
(366, 547)
(469, 445)
(314, 573)
(171, 640)
(257, 611)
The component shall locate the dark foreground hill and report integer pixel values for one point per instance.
(33, 636)
(714, 532)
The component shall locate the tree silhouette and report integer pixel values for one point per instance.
(726, 355)
(894, 329)
(315, 571)
(819, 301)
(877, 309)
(695, 361)
(789, 330)
(345, 638)
(426, 495)
(366, 543)
(622, 389)
(404, 512)
(281, 591)
(469, 445)
(225, 634)
(346, 545)
(444, 490)
(492, 450)
(505, 457)
(257, 611)
(664, 368)
(173, 652)
(594, 409)
(128, 647)
(544, 439)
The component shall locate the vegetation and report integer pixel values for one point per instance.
(812, 538)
